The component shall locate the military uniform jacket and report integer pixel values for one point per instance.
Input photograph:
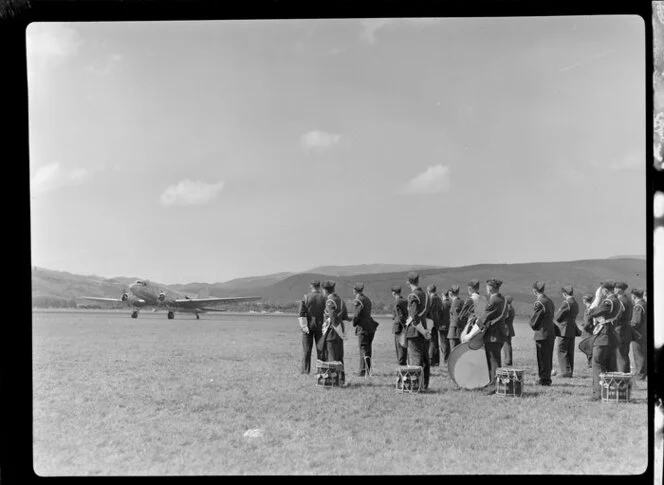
(312, 307)
(608, 309)
(400, 314)
(435, 311)
(335, 310)
(418, 305)
(445, 315)
(457, 319)
(622, 326)
(493, 318)
(362, 320)
(638, 321)
(588, 322)
(509, 321)
(542, 319)
(566, 317)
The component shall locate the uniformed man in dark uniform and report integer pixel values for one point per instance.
(542, 323)
(434, 314)
(444, 328)
(334, 329)
(311, 312)
(588, 326)
(605, 336)
(565, 318)
(639, 328)
(399, 317)
(417, 334)
(365, 327)
(509, 323)
(623, 328)
(457, 320)
(493, 321)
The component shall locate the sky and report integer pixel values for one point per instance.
(205, 151)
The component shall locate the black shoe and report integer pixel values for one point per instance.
(566, 375)
(359, 374)
(595, 398)
(544, 383)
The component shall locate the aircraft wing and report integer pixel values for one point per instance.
(112, 300)
(198, 301)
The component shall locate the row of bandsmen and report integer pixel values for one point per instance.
(322, 318)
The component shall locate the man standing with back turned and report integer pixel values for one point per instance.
(399, 317)
(434, 314)
(365, 327)
(566, 320)
(623, 328)
(604, 344)
(417, 333)
(542, 323)
(310, 318)
(457, 320)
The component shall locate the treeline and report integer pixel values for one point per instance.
(52, 302)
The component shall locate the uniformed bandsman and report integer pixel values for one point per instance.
(457, 319)
(586, 346)
(312, 308)
(542, 323)
(444, 328)
(492, 320)
(417, 333)
(365, 327)
(399, 317)
(565, 318)
(605, 340)
(435, 315)
(334, 330)
(509, 323)
(639, 328)
(623, 328)
(476, 301)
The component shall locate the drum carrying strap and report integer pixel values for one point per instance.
(600, 324)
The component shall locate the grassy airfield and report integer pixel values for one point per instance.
(117, 396)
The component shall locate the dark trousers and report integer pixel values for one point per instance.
(544, 360)
(434, 348)
(308, 341)
(444, 345)
(602, 357)
(418, 354)
(402, 352)
(566, 356)
(507, 351)
(365, 340)
(623, 363)
(453, 342)
(334, 351)
(640, 353)
(492, 350)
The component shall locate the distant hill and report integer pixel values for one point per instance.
(630, 256)
(364, 269)
(584, 275)
(288, 288)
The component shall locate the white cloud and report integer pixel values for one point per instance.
(318, 141)
(49, 44)
(633, 160)
(433, 180)
(53, 176)
(371, 26)
(190, 192)
(103, 68)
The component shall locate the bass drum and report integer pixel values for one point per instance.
(467, 364)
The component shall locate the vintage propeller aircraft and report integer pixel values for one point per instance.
(143, 294)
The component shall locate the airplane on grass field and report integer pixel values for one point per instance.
(143, 294)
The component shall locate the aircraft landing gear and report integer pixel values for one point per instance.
(171, 315)
(134, 314)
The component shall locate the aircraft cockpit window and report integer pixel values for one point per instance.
(141, 283)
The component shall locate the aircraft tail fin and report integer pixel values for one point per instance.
(204, 293)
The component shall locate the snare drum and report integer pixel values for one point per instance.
(509, 381)
(409, 378)
(615, 386)
(329, 374)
